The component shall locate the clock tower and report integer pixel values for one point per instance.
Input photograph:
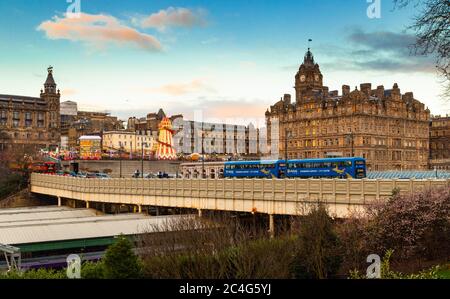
(308, 77)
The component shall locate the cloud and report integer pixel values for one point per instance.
(174, 17)
(98, 31)
(393, 65)
(179, 89)
(383, 40)
(68, 92)
(381, 51)
(223, 110)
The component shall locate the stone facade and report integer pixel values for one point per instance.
(89, 123)
(216, 139)
(384, 126)
(31, 121)
(440, 142)
(150, 123)
(128, 142)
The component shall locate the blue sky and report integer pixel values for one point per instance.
(229, 58)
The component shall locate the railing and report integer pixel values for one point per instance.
(270, 196)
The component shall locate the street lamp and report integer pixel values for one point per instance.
(203, 155)
(351, 139)
(142, 157)
(287, 134)
(120, 159)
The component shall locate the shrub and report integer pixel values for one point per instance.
(9, 184)
(416, 226)
(260, 259)
(318, 253)
(248, 260)
(91, 270)
(413, 225)
(387, 273)
(120, 262)
(40, 273)
(213, 247)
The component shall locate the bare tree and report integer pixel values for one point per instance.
(214, 247)
(432, 29)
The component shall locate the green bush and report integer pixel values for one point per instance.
(91, 270)
(41, 273)
(120, 262)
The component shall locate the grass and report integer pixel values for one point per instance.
(444, 273)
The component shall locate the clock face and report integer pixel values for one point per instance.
(316, 77)
(302, 78)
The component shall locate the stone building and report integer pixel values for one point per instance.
(68, 111)
(216, 139)
(440, 142)
(89, 123)
(149, 124)
(127, 142)
(388, 128)
(31, 121)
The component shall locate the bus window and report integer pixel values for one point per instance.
(359, 162)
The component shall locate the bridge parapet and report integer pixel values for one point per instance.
(271, 196)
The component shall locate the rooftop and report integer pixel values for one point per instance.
(51, 224)
(17, 98)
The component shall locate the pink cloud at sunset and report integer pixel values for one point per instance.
(174, 17)
(98, 31)
(179, 89)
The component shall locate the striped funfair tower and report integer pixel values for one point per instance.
(165, 150)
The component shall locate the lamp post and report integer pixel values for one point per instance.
(142, 157)
(287, 134)
(120, 160)
(351, 139)
(203, 155)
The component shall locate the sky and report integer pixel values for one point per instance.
(227, 60)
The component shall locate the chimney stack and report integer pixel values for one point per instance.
(287, 98)
(380, 91)
(345, 90)
(366, 88)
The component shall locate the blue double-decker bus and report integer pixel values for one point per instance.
(255, 169)
(327, 168)
(305, 168)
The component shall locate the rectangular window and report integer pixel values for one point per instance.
(28, 119)
(16, 118)
(40, 120)
(3, 117)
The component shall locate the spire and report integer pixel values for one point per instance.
(309, 57)
(50, 85)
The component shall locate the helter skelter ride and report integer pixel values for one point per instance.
(165, 150)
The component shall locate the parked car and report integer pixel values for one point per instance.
(103, 176)
(91, 175)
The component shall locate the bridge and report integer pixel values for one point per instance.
(268, 196)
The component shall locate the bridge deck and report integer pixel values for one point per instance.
(271, 196)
